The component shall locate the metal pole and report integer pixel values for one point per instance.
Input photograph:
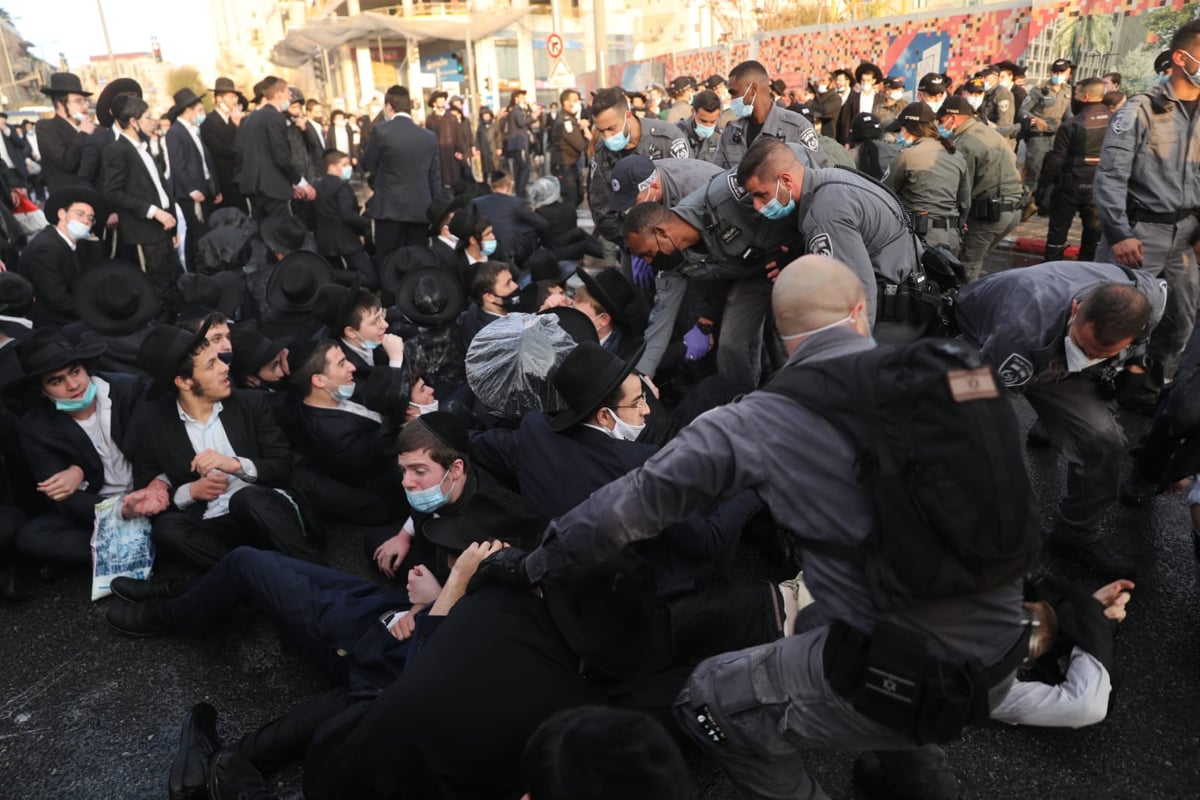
(473, 78)
(598, 20)
(325, 87)
(556, 16)
(112, 61)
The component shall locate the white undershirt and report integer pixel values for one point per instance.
(118, 474)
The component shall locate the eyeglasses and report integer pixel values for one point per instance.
(638, 402)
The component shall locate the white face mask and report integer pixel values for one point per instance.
(622, 429)
(849, 318)
(77, 230)
(1077, 360)
(1006, 84)
(425, 408)
(975, 100)
(896, 95)
(936, 105)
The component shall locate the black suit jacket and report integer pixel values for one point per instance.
(130, 191)
(349, 448)
(263, 165)
(518, 228)
(162, 445)
(338, 222)
(220, 137)
(15, 146)
(61, 146)
(52, 441)
(849, 111)
(91, 163)
(187, 169)
(402, 160)
(50, 264)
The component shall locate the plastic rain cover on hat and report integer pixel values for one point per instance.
(511, 361)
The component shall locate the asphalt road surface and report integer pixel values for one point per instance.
(85, 713)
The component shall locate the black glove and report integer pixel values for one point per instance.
(505, 567)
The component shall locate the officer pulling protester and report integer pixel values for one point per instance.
(930, 178)
(995, 184)
(1147, 189)
(1060, 335)
(1065, 186)
(756, 114)
(755, 710)
(637, 179)
(1045, 108)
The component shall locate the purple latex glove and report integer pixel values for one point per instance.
(643, 275)
(697, 342)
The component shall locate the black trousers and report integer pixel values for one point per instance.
(195, 229)
(262, 207)
(568, 184)
(392, 234)
(161, 265)
(258, 516)
(1065, 203)
(358, 262)
(57, 538)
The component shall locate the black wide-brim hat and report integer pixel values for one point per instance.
(611, 290)
(184, 99)
(430, 296)
(578, 325)
(251, 350)
(67, 196)
(297, 280)
(399, 263)
(115, 298)
(46, 350)
(111, 91)
(283, 234)
(335, 304)
(65, 83)
(201, 295)
(586, 378)
(489, 513)
(161, 353)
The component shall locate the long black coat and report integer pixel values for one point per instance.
(402, 160)
(61, 146)
(130, 190)
(50, 264)
(263, 165)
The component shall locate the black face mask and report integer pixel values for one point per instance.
(1076, 105)
(512, 302)
(666, 261)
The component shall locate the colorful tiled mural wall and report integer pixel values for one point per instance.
(1099, 35)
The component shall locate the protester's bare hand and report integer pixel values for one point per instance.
(1180, 486)
(210, 487)
(217, 200)
(87, 125)
(208, 460)
(555, 300)
(471, 558)
(112, 220)
(1114, 596)
(402, 627)
(164, 219)
(389, 555)
(197, 195)
(393, 345)
(62, 485)
(146, 502)
(422, 586)
(1128, 252)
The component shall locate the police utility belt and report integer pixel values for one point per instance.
(1164, 218)
(923, 223)
(991, 209)
(889, 678)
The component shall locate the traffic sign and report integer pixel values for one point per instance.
(554, 45)
(561, 76)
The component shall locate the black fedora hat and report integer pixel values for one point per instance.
(111, 91)
(578, 325)
(115, 298)
(65, 83)
(251, 351)
(611, 290)
(586, 378)
(184, 99)
(297, 280)
(201, 295)
(68, 196)
(16, 295)
(161, 353)
(397, 264)
(489, 513)
(224, 86)
(46, 350)
(430, 296)
(283, 234)
(335, 304)
(543, 265)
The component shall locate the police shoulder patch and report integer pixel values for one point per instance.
(1016, 370)
(735, 188)
(820, 245)
(616, 184)
(1124, 119)
(567, 126)
(679, 149)
(809, 139)
(1003, 105)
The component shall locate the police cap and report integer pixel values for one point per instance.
(933, 83)
(632, 175)
(913, 112)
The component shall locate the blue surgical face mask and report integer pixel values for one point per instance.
(347, 171)
(945, 132)
(776, 210)
(1058, 78)
(619, 141)
(78, 405)
(77, 230)
(1194, 77)
(369, 345)
(431, 499)
(740, 108)
(902, 142)
(488, 247)
(342, 391)
(705, 131)
(199, 120)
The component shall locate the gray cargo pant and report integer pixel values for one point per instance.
(981, 238)
(1081, 426)
(739, 353)
(1036, 149)
(1167, 254)
(772, 702)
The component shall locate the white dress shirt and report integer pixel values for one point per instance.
(211, 436)
(163, 201)
(194, 130)
(118, 474)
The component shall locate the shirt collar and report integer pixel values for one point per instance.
(183, 415)
(22, 321)
(363, 352)
(70, 242)
(138, 143)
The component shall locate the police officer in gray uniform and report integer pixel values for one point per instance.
(1055, 334)
(833, 152)
(1046, 106)
(637, 179)
(755, 710)
(622, 134)
(1147, 190)
(999, 109)
(930, 178)
(703, 128)
(713, 235)
(756, 114)
(854, 220)
(995, 184)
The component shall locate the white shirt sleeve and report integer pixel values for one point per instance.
(1080, 700)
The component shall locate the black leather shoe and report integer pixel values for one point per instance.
(139, 620)
(131, 590)
(198, 743)
(231, 776)
(1097, 557)
(1138, 495)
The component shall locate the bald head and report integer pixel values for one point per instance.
(814, 291)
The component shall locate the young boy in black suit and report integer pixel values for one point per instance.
(339, 225)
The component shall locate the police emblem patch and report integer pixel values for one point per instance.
(735, 188)
(1016, 370)
(1123, 121)
(730, 233)
(820, 245)
(616, 185)
(1003, 105)
(567, 126)
(679, 149)
(809, 139)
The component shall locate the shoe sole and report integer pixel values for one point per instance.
(175, 788)
(135, 634)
